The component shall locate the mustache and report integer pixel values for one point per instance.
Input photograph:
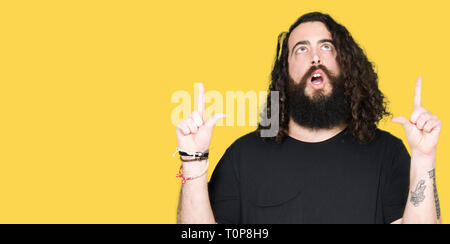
(311, 70)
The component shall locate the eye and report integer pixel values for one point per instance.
(302, 50)
(326, 47)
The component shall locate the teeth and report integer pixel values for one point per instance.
(316, 75)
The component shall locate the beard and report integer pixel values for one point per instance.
(320, 111)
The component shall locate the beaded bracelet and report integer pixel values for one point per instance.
(185, 179)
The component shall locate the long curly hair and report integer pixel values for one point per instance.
(367, 103)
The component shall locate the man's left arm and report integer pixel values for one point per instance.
(422, 206)
(422, 132)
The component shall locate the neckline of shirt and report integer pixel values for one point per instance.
(329, 140)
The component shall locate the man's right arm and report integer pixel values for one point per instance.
(194, 135)
(194, 206)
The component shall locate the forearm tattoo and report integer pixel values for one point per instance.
(417, 196)
(436, 198)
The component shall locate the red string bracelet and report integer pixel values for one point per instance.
(185, 179)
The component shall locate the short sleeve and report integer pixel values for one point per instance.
(224, 190)
(397, 185)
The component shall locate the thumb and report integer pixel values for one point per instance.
(401, 120)
(213, 119)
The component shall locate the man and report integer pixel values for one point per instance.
(328, 163)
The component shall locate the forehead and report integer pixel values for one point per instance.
(309, 31)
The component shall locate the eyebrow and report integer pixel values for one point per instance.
(309, 43)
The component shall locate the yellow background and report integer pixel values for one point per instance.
(85, 89)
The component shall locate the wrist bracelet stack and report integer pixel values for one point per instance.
(195, 156)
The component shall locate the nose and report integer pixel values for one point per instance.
(316, 60)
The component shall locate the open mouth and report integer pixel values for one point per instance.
(317, 79)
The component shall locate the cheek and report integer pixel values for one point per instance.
(332, 65)
(297, 68)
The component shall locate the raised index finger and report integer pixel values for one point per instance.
(417, 92)
(201, 100)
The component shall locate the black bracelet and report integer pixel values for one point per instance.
(197, 156)
(193, 159)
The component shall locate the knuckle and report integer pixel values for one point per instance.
(185, 120)
(183, 127)
(181, 124)
(189, 120)
(196, 116)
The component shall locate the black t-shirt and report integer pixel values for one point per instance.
(333, 181)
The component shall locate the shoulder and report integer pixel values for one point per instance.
(386, 138)
(250, 143)
(394, 146)
(235, 153)
(386, 144)
(248, 140)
